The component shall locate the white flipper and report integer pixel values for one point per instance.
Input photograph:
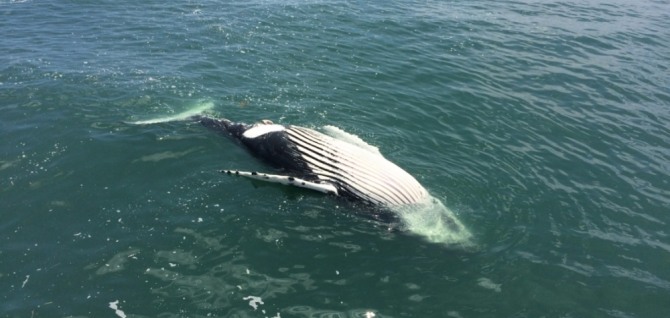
(285, 180)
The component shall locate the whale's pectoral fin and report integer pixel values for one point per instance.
(286, 180)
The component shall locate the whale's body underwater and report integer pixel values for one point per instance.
(345, 167)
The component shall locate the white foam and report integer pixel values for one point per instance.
(196, 109)
(342, 135)
(435, 222)
(489, 284)
(115, 306)
(25, 281)
(254, 301)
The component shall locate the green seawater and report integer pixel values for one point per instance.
(544, 126)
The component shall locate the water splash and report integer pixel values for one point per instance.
(115, 306)
(435, 222)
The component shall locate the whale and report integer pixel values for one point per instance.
(339, 164)
(342, 167)
(310, 159)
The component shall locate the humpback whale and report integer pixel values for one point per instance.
(313, 160)
(338, 164)
(316, 161)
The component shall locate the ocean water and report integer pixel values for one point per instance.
(543, 125)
